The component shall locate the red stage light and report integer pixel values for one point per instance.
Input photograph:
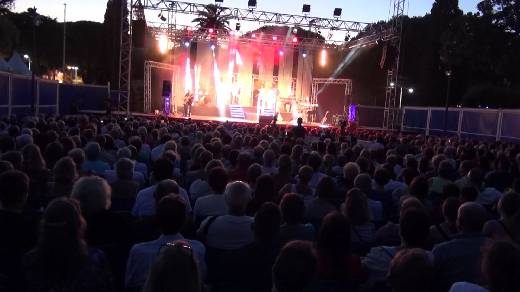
(295, 40)
(275, 38)
(280, 52)
(210, 30)
(253, 35)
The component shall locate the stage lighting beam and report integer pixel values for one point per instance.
(323, 58)
(163, 44)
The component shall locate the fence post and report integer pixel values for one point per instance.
(10, 95)
(428, 121)
(499, 125)
(402, 118)
(58, 99)
(459, 126)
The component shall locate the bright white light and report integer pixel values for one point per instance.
(392, 84)
(323, 58)
(26, 56)
(281, 53)
(295, 40)
(163, 44)
(275, 38)
(186, 44)
(304, 55)
(410, 90)
(253, 35)
(210, 30)
(212, 47)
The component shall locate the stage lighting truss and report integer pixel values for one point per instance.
(179, 34)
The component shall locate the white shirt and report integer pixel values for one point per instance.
(210, 205)
(467, 287)
(145, 202)
(229, 232)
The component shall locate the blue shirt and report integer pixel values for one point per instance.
(97, 167)
(145, 202)
(143, 255)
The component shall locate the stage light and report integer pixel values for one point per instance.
(231, 32)
(295, 30)
(161, 16)
(323, 58)
(251, 3)
(304, 55)
(219, 1)
(337, 12)
(410, 90)
(275, 38)
(187, 44)
(163, 43)
(392, 84)
(253, 35)
(294, 39)
(211, 30)
(237, 26)
(212, 47)
(306, 8)
(280, 53)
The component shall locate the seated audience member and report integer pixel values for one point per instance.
(174, 270)
(346, 182)
(363, 230)
(500, 269)
(62, 260)
(65, 174)
(254, 171)
(111, 175)
(323, 204)
(124, 188)
(170, 215)
(468, 194)
(293, 213)
(294, 268)
(508, 226)
(268, 166)
(78, 155)
(302, 187)
(144, 205)
(448, 229)
(14, 157)
(334, 259)
(263, 192)
(377, 209)
(445, 175)
(411, 270)
(5, 166)
(414, 230)
(92, 164)
(169, 187)
(39, 176)
(315, 162)
(233, 230)
(18, 227)
(284, 174)
(214, 203)
(200, 187)
(458, 259)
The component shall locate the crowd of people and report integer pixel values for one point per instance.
(102, 204)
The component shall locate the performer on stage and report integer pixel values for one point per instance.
(188, 101)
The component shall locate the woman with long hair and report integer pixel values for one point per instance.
(62, 261)
(174, 270)
(35, 167)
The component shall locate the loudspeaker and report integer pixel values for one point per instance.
(166, 88)
(138, 33)
(265, 120)
(306, 8)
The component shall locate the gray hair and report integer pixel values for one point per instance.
(237, 195)
(125, 168)
(124, 152)
(93, 193)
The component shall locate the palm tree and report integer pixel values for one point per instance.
(213, 17)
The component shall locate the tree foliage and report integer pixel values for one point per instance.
(213, 17)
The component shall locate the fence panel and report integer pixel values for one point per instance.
(415, 119)
(437, 121)
(370, 117)
(48, 97)
(4, 89)
(510, 129)
(74, 98)
(479, 123)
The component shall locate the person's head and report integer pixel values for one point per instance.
(65, 171)
(14, 157)
(305, 174)
(419, 187)
(446, 170)
(267, 222)
(364, 183)
(381, 176)
(124, 169)
(294, 267)
(93, 193)
(32, 157)
(509, 206)
(293, 209)
(170, 213)
(476, 177)
(14, 188)
(315, 161)
(175, 269)
(414, 228)
(164, 188)
(356, 207)
(468, 194)
(326, 188)
(162, 169)
(264, 188)
(124, 152)
(411, 270)
(350, 171)
(78, 155)
(471, 218)
(218, 179)
(5, 166)
(269, 157)
(237, 196)
(409, 203)
(501, 267)
(92, 151)
(450, 208)
(334, 235)
(254, 171)
(284, 164)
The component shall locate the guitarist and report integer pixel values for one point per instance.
(188, 101)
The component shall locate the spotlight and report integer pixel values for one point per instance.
(337, 12)
(251, 3)
(187, 44)
(294, 39)
(304, 55)
(163, 43)
(161, 16)
(410, 90)
(253, 35)
(392, 84)
(211, 30)
(280, 53)
(295, 30)
(212, 47)
(237, 26)
(306, 8)
(275, 38)
(323, 58)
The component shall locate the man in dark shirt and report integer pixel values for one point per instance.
(299, 131)
(18, 228)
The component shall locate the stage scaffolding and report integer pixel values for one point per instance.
(317, 82)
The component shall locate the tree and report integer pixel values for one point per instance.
(503, 13)
(5, 5)
(213, 17)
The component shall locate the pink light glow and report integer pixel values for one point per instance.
(280, 52)
(275, 38)
(253, 35)
(295, 40)
(210, 30)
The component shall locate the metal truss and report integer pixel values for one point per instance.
(125, 58)
(391, 112)
(148, 65)
(316, 82)
(254, 15)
